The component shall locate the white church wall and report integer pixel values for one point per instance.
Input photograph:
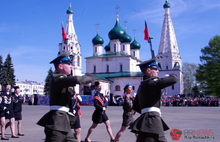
(177, 87)
(134, 81)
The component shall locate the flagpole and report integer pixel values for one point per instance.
(148, 38)
(151, 49)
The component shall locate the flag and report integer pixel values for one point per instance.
(146, 34)
(63, 33)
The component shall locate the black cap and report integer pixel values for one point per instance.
(149, 63)
(96, 83)
(62, 58)
(16, 87)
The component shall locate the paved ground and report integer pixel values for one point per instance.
(203, 122)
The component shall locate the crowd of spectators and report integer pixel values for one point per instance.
(179, 100)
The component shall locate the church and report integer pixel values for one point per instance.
(115, 64)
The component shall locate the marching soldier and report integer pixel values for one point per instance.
(58, 120)
(149, 125)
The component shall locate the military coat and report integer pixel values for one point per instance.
(149, 95)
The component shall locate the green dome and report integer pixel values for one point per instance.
(97, 40)
(125, 38)
(116, 32)
(135, 45)
(69, 11)
(107, 47)
(166, 5)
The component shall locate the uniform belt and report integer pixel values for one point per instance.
(62, 108)
(150, 109)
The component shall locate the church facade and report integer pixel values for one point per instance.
(115, 64)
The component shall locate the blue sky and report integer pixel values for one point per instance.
(30, 30)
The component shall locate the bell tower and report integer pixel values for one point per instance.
(70, 43)
(168, 56)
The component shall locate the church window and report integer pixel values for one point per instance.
(64, 48)
(78, 61)
(172, 87)
(133, 53)
(107, 68)
(121, 68)
(123, 47)
(117, 88)
(114, 47)
(159, 65)
(95, 49)
(176, 65)
(94, 69)
(167, 67)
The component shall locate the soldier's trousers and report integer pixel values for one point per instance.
(147, 137)
(58, 136)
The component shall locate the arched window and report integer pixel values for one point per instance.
(177, 65)
(107, 68)
(117, 88)
(114, 47)
(94, 69)
(121, 68)
(172, 87)
(78, 61)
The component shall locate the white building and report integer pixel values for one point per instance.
(30, 88)
(115, 64)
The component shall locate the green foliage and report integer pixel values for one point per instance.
(7, 71)
(189, 79)
(47, 82)
(208, 72)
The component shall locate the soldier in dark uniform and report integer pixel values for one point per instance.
(9, 114)
(128, 111)
(58, 120)
(75, 109)
(149, 125)
(99, 116)
(17, 108)
(2, 114)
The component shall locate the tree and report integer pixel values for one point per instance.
(189, 79)
(1, 73)
(47, 82)
(208, 72)
(8, 76)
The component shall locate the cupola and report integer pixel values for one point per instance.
(107, 47)
(116, 32)
(166, 5)
(135, 45)
(125, 38)
(97, 40)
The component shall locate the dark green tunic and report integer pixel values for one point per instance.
(149, 95)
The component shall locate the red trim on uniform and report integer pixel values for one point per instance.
(100, 100)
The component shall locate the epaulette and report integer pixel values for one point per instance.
(154, 79)
(59, 75)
